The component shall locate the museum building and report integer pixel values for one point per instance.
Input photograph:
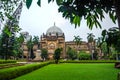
(55, 38)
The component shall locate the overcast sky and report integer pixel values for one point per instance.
(37, 20)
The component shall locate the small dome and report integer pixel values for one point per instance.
(54, 30)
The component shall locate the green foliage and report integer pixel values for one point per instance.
(7, 7)
(72, 54)
(112, 38)
(44, 54)
(57, 1)
(30, 45)
(28, 3)
(92, 11)
(57, 54)
(104, 48)
(21, 39)
(77, 21)
(39, 2)
(90, 37)
(5, 42)
(17, 51)
(74, 10)
(84, 56)
(99, 42)
(77, 40)
(8, 41)
(50, 1)
(35, 39)
(7, 61)
(10, 73)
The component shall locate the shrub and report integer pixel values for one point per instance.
(84, 56)
(72, 54)
(7, 61)
(10, 73)
(44, 54)
(89, 61)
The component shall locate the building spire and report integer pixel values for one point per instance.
(16, 15)
(54, 23)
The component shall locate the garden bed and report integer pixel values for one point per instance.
(9, 65)
(7, 61)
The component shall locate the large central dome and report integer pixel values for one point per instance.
(54, 30)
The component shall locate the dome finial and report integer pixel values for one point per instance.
(54, 23)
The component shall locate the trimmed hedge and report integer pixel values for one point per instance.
(10, 73)
(89, 61)
(7, 61)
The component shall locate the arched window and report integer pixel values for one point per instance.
(52, 46)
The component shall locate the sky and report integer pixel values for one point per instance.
(37, 20)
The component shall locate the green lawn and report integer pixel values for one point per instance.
(71, 71)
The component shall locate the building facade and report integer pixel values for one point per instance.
(53, 39)
(84, 46)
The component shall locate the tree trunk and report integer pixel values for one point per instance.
(22, 51)
(90, 48)
(117, 7)
(116, 56)
(6, 52)
(108, 50)
(101, 53)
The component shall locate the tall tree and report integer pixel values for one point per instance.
(20, 40)
(78, 41)
(90, 39)
(99, 44)
(36, 41)
(30, 48)
(11, 27)
(8, 40)
(1, 54)
(4, 42)
(57, 54)
(107, 39)
(18, 51)
(104, 49)
(113, 39)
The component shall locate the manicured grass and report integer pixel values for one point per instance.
(72, 71)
